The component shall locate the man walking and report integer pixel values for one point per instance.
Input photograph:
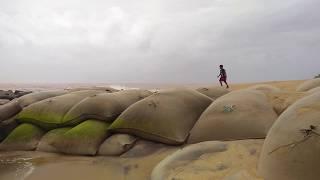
(223, 76)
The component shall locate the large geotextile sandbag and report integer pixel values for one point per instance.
(6, 127)
(106, 89)
(28, 99)
(4, 101)
(84, 139)
(117, 144)
(166, 116)
(49, 113)
(266, 88)
(211, 160)
(105, 106)
(242, 114)
(24, 137)
(9, 110)
(291, 149)
(310, 84)
(51, 137)
(213, 92)
(314, 90)
(281, 100)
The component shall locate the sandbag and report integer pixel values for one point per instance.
(242, 114)
(106, 89)
(164, 117)
(6, 127)
(117, 144)
(49, 138)
(6, 94)
(28, 99)
(105, 106)
(310, 84)
(210, 160)
(84, 139)
(265, 88)
(9, 110)
(314, 90)
(281, 100)
(4, 101)
(291, 149)
(49, 113)
(213, 92)
(25, 137)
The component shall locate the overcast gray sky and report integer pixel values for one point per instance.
(158, 41)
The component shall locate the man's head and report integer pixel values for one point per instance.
(221, 66)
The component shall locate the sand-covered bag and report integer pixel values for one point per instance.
(213, 92)
(24, 137)
(314, 90)
(105, 106)
(4, 101)
(83, 139)
(242, 114)
(9, 110)
(6, 127)
(308, 85)
(49, 113)
(117, 144)
(291, 149)
(265, 88)
(166, 116)
(51, 137)
(106, 89)
(28, 99)
(281, 100)
(211, 160)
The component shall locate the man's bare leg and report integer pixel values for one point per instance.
(226, 84)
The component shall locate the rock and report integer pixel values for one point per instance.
(165, 117)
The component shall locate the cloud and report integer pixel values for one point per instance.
(157, 41)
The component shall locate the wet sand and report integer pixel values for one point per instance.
(23, 165)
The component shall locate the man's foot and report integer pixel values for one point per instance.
(227, 87)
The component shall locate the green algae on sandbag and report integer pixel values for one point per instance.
(24, 137)
(291, 149)
(51, 137)
(105, 106)
(9, 110)
(83, 139)
(117, 144)
(213, 92)
(242, 114)
(310, 84)
(6, 127)
(28, 99)
(49, 113)
(166, 116)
